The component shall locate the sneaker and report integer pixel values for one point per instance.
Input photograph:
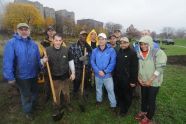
(113, 109)
(122, 114)
(98, 104)
(145, 120)
(58, 115)
(29, 116)
(140, 116)
(82, 108)
(69, 108)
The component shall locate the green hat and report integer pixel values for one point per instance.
(22, 25)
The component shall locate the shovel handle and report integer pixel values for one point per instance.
(83, 76)
(50, 78)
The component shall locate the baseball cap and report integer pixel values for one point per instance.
(124, 39)
(22, 25)
(102, 35)
(83, 32)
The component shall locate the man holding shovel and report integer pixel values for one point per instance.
(61, 63)
(81, 51)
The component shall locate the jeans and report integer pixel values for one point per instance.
(108, 83)
(29, 91)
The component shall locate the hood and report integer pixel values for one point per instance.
(89, 37)
(148, 40)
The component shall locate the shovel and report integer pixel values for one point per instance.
(82, 99)
(59, 115)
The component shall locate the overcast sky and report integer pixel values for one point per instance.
(143, 14)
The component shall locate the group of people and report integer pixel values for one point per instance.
(116, 65)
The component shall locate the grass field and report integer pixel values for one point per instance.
(180, 42)
(174, 49)
(171, 102)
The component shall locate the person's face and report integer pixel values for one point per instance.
(145, 33)
(57, 42)
(112, 40)
(102, 41)
(124, 44)
(144, 46)
(51, 33)
(93, 36)
(24, 32)
(117, 34)
(83, 37)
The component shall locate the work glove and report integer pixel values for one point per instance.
(12, 82)
(83, 58)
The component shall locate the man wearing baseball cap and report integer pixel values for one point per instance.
(126, 74)
(21, 65)
(81, 51)
(103, 61)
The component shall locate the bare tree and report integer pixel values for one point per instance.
(181, 33)
(132, 32)
(168, 32)
(110, 27)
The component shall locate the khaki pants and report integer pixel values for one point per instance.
(62, 86)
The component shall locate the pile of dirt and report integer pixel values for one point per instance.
(177, 60)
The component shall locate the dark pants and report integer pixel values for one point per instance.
(116, 88)
(47, 87)
(78, 80)
(29, 91)
(125, 94)
(148, 102)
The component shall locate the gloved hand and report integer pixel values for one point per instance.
(12, 82)
(44, 60)
(85, 62)
(83, 58)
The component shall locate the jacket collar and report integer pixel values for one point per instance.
(17, 36)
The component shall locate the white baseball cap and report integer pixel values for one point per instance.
(102, 35)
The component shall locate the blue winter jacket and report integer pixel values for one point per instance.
(103, 61)
(21, 59)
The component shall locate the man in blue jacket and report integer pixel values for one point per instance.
(103, 61)
(21, 65)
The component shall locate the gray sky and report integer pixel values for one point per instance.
(143, 14)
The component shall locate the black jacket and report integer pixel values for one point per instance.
(59, 62)
(127, 66)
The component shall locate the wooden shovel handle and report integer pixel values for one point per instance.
(50, 78)
(83, 76)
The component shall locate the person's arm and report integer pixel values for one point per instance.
(71, 65)
(8, 62)
(133, 69)
(72, 69)
(40, 61)
(160, 63)
(112, 62)
(93, 62)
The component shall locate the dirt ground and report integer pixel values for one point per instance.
(177, 60)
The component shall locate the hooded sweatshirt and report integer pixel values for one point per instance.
(153, 63)
(92, 44)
